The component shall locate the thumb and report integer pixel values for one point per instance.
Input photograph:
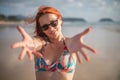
(86, 31)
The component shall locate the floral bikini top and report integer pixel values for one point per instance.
(63, 64)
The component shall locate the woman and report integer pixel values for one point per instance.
(55, 54)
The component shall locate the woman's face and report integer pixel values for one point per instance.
(51, 25)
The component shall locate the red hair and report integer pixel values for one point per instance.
(42, 11)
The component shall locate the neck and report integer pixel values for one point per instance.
(57, 40)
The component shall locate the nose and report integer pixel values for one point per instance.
(50, 27)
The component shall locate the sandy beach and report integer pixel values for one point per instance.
(11, 22)
(105, 65)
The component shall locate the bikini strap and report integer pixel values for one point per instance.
(43, 47)
(63, 39)
(65, 47)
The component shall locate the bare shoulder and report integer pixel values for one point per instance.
(37, 38)
(39, 42)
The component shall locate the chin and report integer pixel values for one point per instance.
(54, 36)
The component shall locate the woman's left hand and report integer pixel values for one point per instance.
(76, 45)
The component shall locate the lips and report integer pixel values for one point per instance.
(52, 32)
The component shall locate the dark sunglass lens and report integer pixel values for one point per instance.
(54, 23)
(45, 27)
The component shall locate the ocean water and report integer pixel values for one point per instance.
(104, 37)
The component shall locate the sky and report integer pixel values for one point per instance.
(90, 10)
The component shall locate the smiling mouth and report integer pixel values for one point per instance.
(52, 32)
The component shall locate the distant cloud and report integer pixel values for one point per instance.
(13, 1)
(89, 9)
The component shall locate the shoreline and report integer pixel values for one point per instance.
(11, 22)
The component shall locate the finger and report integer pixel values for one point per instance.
(78, 57)
(22, 54)
(22, 31)
(34, 52)
(38, 54)
(90, 48)
(16, 45)
(29, 53)
(86, 31)
(84, 55)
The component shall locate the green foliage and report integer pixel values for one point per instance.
(2, 17)
(11, 17)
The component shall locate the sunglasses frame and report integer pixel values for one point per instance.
(46, 26)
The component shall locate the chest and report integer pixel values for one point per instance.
(53, 53)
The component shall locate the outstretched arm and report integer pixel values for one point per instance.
(27, 44)
(76, 45)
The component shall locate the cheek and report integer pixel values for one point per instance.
(46, 32)
(58, 28)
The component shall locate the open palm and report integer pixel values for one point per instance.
(27, 45)
(76, 45)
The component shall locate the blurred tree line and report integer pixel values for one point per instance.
(11, 17)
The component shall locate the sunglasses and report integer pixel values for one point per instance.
(53, 23)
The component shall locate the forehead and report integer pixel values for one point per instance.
(44, 19)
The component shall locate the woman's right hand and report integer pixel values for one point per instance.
(27, 44)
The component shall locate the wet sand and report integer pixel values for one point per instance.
(103, 66)
(106, 64)
(11, 22)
